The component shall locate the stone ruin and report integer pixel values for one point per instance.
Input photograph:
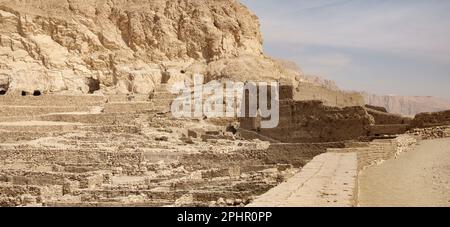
(117, 150)
(312, 121)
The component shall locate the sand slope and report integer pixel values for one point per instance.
(417, 178)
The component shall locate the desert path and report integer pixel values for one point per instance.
(417, 178)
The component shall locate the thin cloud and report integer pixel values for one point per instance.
(355, 42)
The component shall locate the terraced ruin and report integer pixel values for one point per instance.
(123, 151)
(118, 150)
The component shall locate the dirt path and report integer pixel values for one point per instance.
(417, 178)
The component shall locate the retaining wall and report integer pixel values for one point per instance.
(331, 179)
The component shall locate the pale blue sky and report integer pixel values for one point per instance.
(398, 47)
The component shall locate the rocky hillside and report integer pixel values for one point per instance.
(408, 105)
(122, 46)
(294, 69)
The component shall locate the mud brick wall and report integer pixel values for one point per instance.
(14, 190)
(424, 120)
(93, 119)
(296, 154)
(122, 159)
(394, 129)
(437, 132)
(307, 92)
(311, 121)
(19, 177)
(384, 150)
(128, 107)
(368, 157)
(40, 194)
(383, 118)
(15, 111)
(286, 92)
(379, 150)
(52, 100)
(377, 108)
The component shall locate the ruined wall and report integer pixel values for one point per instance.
(296, 154)
(424, 120)
(437, 132)
(311, 121)
(383, 118)
(308, 91)
(378, 108)
(378, 151)
(392, 129)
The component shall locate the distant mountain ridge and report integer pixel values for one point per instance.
(407, 105)
(316, 87)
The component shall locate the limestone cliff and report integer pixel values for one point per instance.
(408, 105)
(127, 46)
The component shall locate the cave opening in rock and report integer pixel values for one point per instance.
(37, 93)
(3, 91)
(94, 85)
(24, 93)
(165, 77)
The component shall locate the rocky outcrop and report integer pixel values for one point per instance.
(121, 46)
(308, 79)
(407, 105)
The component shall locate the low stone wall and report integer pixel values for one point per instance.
(53, 100)
(379, 150)
(16, 111)
(390, 129)
(55, 156)
(296, 154)
(128, 107)
(16, 195)
(425, 120)
(20, 177)
(92, 119)
(438, 132)
(331, 179)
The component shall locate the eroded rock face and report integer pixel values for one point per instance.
(407, 105)
(127, 46)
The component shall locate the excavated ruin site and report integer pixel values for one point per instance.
(85, 117)
(121, 150)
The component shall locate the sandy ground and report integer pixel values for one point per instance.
(417, 178)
